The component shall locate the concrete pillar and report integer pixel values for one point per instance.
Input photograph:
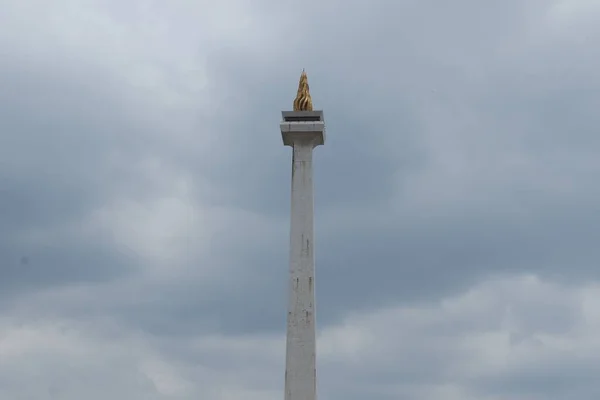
(303, 131)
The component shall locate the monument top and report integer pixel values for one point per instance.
(303, 125)
(303, 101)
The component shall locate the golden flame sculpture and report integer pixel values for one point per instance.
(303, 101)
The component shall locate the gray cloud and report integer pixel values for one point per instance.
(144, 187)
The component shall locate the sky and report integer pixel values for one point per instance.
(145, 196)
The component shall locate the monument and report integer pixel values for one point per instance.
(303, 129)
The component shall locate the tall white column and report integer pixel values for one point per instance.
(303, 131)
(301, 341)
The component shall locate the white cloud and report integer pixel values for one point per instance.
(457, 347)
(163, 224)
(573, 16)
(494, 329)
(68, 360)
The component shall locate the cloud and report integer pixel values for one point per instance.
(519, 336)
(144, 197)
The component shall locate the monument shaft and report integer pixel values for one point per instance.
(300, 376)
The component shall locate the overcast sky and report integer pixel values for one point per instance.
(144, 198)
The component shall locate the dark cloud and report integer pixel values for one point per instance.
(56, 136)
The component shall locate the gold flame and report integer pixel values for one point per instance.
(303, 101)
